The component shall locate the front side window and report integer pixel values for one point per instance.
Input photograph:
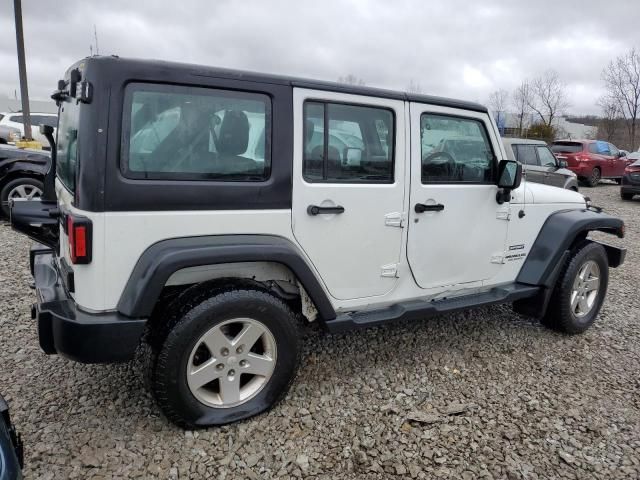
(526, 154)
(613, 150)
(16, 118)
(455, 150)
(356, 147)
(547, 159)
(174, 132)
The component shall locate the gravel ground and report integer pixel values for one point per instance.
(482, 394)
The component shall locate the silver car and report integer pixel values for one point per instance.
(539, 163)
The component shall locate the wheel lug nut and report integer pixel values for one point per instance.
(220, 366)
(224, 352)
(232, 373)
(239, 349)
(243, 363)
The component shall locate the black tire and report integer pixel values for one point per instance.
(617, 180)
(626, 196)
(560, 316)
(10, 185)
(594, 178)
(171, 350)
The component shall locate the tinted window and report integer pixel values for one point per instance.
(547, 159)
(455, 150)
(357, 146)
(593, 148)
(566, 147)
(67, 144)
(196, 133)
(16, 118)
(44, 120)
(526, 154)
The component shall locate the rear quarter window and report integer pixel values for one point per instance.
(190, 133)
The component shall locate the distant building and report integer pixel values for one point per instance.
(509, 126)
(12, 105)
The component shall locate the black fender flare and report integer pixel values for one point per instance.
(558, 234)
(162, 259)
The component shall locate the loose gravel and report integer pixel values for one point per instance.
(479, 394)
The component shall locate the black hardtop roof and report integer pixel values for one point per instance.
(206, 71)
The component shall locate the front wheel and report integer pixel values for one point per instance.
(579, 291)
(230, 357)
(626, 196)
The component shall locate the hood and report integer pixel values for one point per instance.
(546, 194)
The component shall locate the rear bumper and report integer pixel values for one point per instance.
(65, 329)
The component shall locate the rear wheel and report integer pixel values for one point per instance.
(230, 357)
(594, 178)
(579, 291)
(19, 189)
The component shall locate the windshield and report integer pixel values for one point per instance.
(67, 144)
(566, 147)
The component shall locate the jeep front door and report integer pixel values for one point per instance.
(457, 230)
(348, 189)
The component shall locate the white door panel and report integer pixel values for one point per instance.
(356, 251)
(464, 241)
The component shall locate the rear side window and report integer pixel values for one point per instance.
(357, 146)
(67, 144)
(16, 118)
(176, 132)
(455, 150)
(526, 154)
(566, 147)
(593, 148)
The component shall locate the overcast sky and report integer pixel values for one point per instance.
(455, 48)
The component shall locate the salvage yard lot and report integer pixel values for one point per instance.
(483, 393)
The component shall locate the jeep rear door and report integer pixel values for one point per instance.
(457, 230)
(348, 189)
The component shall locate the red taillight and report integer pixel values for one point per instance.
(79, 235)
(582, 157)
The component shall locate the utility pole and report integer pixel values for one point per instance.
(22, 69)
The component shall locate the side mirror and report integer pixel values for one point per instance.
(352, 157)
(509, 174)
(562, 164)
(509, 177)
(621, 154)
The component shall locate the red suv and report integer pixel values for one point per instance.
(591, 160)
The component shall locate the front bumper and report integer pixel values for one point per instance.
(630, 183)
(65, 329)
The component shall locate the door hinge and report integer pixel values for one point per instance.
(503, 214)
(390, 270)
(394, 219)
(499, 258)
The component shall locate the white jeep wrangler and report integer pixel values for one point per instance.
(205, 212)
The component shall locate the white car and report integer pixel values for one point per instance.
(212, 210)
(16, 120)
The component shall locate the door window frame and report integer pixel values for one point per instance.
(326, 120)
(494, 170)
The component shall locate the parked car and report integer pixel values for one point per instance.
(631, 180)
(9, 134)
(591, 160)
(11, 456)
(539, 163)
(16, 120)
(21, 175)
(211, 249)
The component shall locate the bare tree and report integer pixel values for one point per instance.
(520, 100)
(548, 97)
(498, 101)
(622, 81)
(414, 87)
(608, 124)
(351, 79)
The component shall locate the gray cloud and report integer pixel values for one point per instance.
(454, 48)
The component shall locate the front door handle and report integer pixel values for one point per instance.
(316, 210)
(421, 207)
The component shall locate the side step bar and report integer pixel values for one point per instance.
(420, 309)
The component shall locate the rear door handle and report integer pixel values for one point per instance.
(421, 207)
(316, 210)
